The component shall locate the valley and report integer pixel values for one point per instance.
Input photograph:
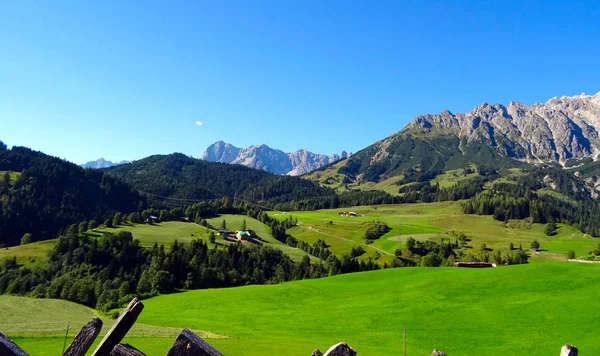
(345, 246)
(460, 311)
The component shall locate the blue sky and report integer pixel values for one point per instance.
(124, 80)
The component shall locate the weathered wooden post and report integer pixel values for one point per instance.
(569, 350)
(9, 348)
(190, 344)
(85, 338)
(126, 350)
(341, 349)
(125, 321)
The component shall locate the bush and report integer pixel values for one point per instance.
(376, 230)
(26, 239)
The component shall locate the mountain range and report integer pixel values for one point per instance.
(102, 163)
(563, 132)
(269, 159)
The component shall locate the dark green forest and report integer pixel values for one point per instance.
(51, 193)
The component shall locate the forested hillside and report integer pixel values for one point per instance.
(41, 195)
(177, 176)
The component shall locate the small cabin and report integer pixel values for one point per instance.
(151, 219)
(223, 231)
(242, 235)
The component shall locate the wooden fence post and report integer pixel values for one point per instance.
(341, 349)
(125, 321)
(125, 350)
(569, 350)
(85, 338)
(190, 344)
(9, 348)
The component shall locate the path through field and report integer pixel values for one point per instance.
(345, 239)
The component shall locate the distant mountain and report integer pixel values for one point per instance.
(102, 163)
(270, 159)
(563, 131)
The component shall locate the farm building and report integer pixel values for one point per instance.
(347, 213)
(242, 235)
(152, 219)
(224, 231)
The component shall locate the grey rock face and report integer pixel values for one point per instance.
(220, 152)
(560, 129)
(269, 159)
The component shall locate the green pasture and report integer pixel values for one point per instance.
(234, 222)
(163, 233)
(30, 254)
(432, 221)
(516, 310)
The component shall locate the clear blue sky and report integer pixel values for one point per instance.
(123, 80)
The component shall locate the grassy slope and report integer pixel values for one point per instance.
(38, 325)
(234, 222)
(518, 310)
(166, 232)
(433, 221)
(163, 233)
(30, 254)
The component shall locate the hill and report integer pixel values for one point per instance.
(165, 233)
(518, 310)
(183, 177)
(436, 222)
(41, 195)
(269, 159)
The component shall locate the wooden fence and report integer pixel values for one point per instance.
(186, 344)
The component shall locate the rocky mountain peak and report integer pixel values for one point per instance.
(269, 159)
(561, 129)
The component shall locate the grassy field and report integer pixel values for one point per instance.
(518, 310)
(432, 221)
(421, 221)
(234, 222)
(166, 232)
(40, 324)
(30, 254)
(163, 233)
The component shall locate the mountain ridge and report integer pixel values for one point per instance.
(563, 132)
(270, 159)
(102, 163)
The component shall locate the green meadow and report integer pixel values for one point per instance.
(166, 232)
(519, 310)
(434, 221)
(30, 254)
